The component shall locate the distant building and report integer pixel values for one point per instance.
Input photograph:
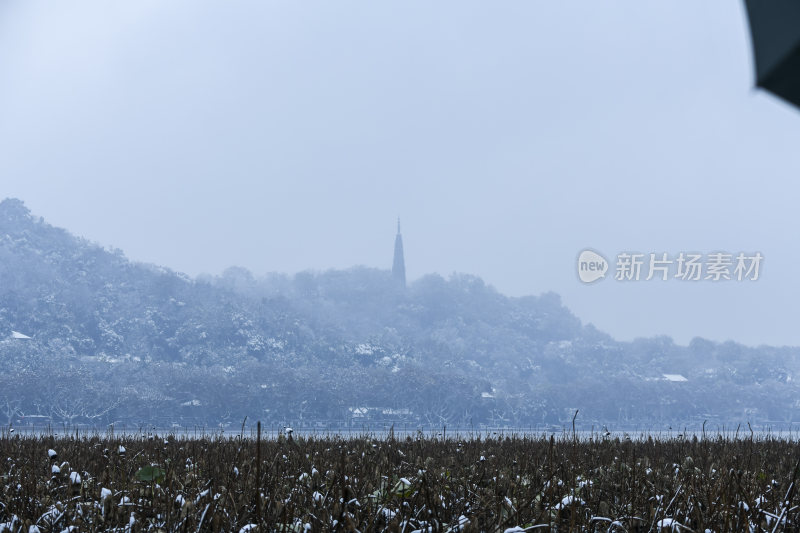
(399, 263)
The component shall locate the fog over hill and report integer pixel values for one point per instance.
(114, 341)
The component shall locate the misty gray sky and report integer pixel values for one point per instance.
(509, 136)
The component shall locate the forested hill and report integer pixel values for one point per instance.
(118, 341)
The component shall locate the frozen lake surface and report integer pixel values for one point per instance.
(274, 432)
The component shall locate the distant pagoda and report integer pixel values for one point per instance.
(399, 263)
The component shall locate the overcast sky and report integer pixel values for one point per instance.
(508, 136)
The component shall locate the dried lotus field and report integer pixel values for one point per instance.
(515, 483)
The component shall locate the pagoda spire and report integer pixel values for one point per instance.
(399, 263)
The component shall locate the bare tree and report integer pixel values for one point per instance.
(75, 408)
(11, 408)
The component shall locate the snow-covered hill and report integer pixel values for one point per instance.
(113, 340)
